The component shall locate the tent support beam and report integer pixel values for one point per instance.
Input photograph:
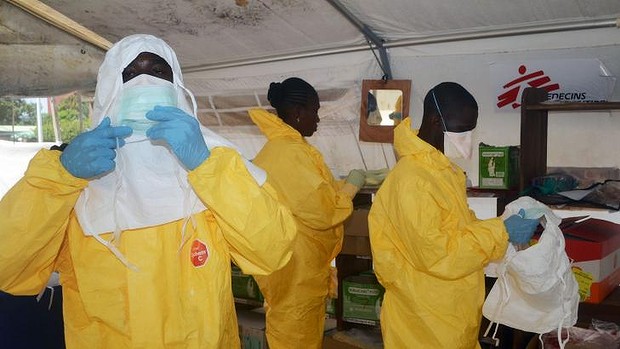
(370, 35)
(62, 22)
(599, 23)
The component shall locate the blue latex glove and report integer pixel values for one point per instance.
(182, 134)
(92, 153)
(520, 230)
(357, 178)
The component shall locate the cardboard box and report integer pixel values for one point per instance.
(594, 245)
(362, 298)
(356, 241)
(252, 329)
(244, 286)
(498, 167)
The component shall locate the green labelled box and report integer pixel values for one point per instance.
(244, 286)
(498, 167)
(362, 298)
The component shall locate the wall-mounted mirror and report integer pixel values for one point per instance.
(384, 104)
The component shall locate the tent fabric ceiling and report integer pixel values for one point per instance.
(37, 59)
(394, 20)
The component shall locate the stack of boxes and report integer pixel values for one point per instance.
(251, 322)
(362, 298)
(594, 247)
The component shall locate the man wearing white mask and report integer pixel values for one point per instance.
(142, 216)
(429, 249)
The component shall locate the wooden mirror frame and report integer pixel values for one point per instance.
(385, 133)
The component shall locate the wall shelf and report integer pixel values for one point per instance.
(534, 127)
(559, 106)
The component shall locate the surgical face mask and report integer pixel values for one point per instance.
(140, 95)
(455, 144)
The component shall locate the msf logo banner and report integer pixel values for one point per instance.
(566, 80)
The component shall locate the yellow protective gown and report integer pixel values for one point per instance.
(429, 250)
(296, 294)
(170, 302)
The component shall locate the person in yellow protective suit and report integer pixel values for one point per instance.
(142, 222)
(296, 294)
(428, 247)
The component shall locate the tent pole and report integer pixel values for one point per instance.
(607, 22)
(526, 29)
(62, 22)
(39, 122)
(369, 34)
(51, 106)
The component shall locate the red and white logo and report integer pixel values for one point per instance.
(535, 79)
(199, 253)
(565, 80)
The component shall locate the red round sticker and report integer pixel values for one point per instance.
(199, 253)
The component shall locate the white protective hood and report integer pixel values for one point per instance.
(149, 185)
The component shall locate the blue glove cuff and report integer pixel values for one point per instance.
(201, 156)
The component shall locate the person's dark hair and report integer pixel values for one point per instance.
(59, 147)
(451, 97)
(288, 93)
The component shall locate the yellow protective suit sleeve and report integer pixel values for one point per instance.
(34, 216)
(314, 201)
(438, 246)
(297, 170)
(259, 230)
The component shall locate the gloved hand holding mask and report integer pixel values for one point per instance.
(182, 134)
(92, 153)
(520, 230)
(140, 95)
(356, 178)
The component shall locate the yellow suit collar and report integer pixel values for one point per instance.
(407, 143)
(271, 125)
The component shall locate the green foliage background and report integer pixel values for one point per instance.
(67, 113)
(25, 113)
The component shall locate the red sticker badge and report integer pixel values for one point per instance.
(199, 253)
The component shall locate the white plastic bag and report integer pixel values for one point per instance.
(535, 290)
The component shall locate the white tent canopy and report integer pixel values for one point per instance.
(230, 51)
(216, 33)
